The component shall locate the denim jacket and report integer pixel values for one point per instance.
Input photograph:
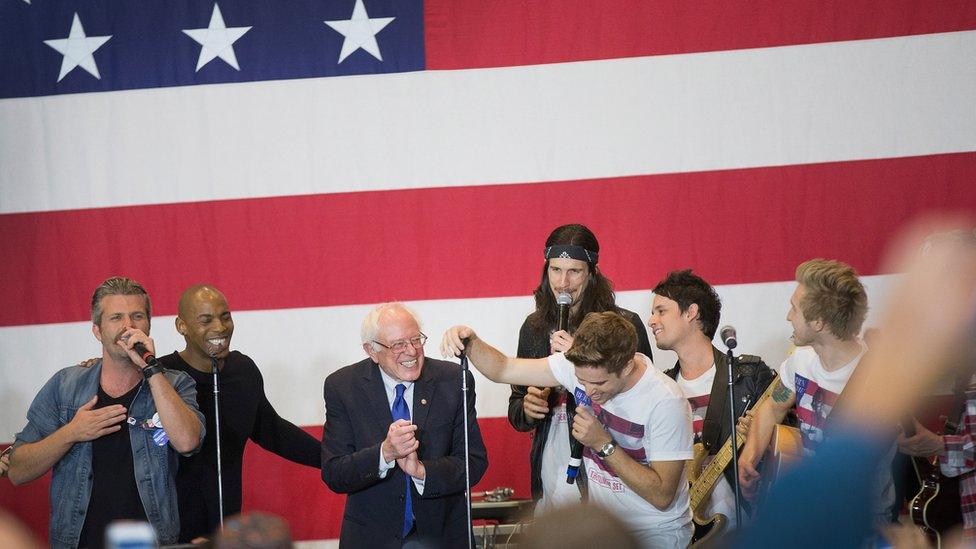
(71, 484)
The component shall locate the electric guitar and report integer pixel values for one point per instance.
(935, 509)
(702, 484)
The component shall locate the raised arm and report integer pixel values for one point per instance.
(177, 405)
(493, 363)
(525, 410)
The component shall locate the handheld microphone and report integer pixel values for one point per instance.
(147, 357)
(575, 446)
(727, 335)
(563, 300)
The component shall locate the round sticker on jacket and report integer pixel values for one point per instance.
(160, 437)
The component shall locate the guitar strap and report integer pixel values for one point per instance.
(717, 415)
(718, 404)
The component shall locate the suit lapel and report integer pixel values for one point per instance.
(375, 394)
(423, 395)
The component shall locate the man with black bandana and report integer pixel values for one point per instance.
(111, 432)
(571, 254)
(206, 324)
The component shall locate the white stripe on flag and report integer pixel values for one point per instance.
(789, 105)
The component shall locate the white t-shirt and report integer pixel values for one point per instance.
(698, 391)
(556, 492)
(651, 421)
(817, 391)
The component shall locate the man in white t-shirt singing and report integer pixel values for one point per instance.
(684, 319)
(633, 421)
(826, 312)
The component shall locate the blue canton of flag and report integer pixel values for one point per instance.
(57, 47)
(801, 386)
(581, 398)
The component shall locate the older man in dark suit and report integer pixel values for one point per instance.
(394, 439)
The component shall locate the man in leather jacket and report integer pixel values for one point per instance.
(684, 318)
(571, 266)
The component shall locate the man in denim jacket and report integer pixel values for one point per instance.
(111, 432)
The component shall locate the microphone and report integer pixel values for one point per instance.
(575, 446)
(727, 335)
(147, 357)
(463, 357)
(564, 300)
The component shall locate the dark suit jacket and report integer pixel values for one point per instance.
(357, 419)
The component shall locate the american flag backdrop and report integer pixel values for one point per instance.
(313, 157)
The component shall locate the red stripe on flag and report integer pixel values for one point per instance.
(733, 226)
(494, 33)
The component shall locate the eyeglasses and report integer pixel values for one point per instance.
(400, 346)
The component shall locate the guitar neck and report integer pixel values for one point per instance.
(703, 486)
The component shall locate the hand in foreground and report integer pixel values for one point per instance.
(400, 440)
(535, 404)
(412, 466)
(89, 424)
(560, 342)
(452, 343)
(926, 330)
(923, 443)
(588, 430)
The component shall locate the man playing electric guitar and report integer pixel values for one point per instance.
(684, 317)
(826, 313)
(954, 456)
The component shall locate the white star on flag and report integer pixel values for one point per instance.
(77, 49)
(360, 32)
(217, 40)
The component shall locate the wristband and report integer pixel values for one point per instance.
(150, 371)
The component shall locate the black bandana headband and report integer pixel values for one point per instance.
(571, 252)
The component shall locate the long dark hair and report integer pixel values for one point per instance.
(596, 297)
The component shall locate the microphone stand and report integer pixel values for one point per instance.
(735, 443)
(220, 475)
(467, 456)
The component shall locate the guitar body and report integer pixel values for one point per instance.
(785, 450)
(707, 529)
(935, 509)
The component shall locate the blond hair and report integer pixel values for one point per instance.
(834, 295)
